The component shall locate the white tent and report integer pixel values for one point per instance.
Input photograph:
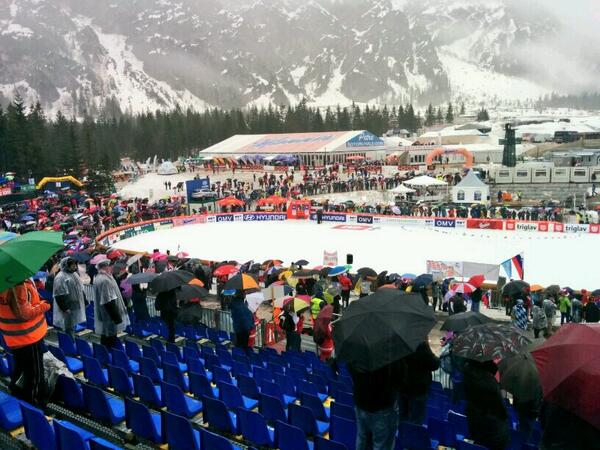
(167, 168)
(425, 180)
(471, 190)
(401, 189)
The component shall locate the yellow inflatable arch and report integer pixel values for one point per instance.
(70, 179)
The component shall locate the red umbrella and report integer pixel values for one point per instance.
(476, 280)
(463, 288)
(226, 269)
(569, 368)
(114, 254)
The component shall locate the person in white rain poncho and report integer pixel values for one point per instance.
(110, 314)
(69, 300)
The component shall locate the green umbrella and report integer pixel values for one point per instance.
(23, 256)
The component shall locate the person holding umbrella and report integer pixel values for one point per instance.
(110, 314)
(242, 318)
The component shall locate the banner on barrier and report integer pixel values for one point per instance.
(449, 269)
(329, 217)
(364, 219)
(163, 225)
(181, 221)
(260, 217)
(485, 224)
(594, 228)
(576, 228)
(224, 218)
(445, 223)
(558, 227)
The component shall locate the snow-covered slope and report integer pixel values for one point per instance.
(143, 55)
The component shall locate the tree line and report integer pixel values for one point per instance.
(34, 145)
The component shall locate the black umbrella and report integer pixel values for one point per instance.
(462, 321)
(142, 277)
(490, 341)
(167, 281)
(190, 291)
(381, 278)
(305, 273)
(515, 288)
(325, 271)
(423, 280)
(367, 272)
(595, 293)
(81, 257)
(382, 328)
(552, 290)
(301, 262)
(520, 377)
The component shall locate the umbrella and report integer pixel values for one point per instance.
(408, 276)
(381, 328)
(462, 321)
(301, 262)
(182, 254)
(254, 300)
(6, 236)
(114, 254)
(196, 282)
(295, 304)
(519, 376)
(515, 288)
(99, 257)
(423, 280)
(190, 292)
(463, 288)
(135, 258)
(338, 270)
(23, 256)
(552, 290)
(536, 288)
(81, 257)
(305, 273)
(159, 257)
(569, 367)
(285, 274)
(324, 271)
(225, 270)
(595, 293)
(40, 275)
(490, 341)
(241, 282)
(142, 277)
(366, 272)
(476, 280)
(167, 281)
(272, 262)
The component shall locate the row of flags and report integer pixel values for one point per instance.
(514, 265)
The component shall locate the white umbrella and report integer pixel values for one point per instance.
(135, 258)
(401, 189)
(425, 180)
(254, 300)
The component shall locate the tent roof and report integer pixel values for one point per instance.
(471, 180)
(425, 180)
(401, 189)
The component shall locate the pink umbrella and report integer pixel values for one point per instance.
(159, 257)
(448, 296)
(96, 259)
(463, 288)
(182, 255)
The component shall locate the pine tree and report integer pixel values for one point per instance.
(440, 116)
(430, 116)
(344, 122)
(357, 122)
(75, 161)
(38, 142)
(317, 122)
(450, 114)
(330, 122)
(18, 139)
(3, 147)
(482, 115)
(462, 109)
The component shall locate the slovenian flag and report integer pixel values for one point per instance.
(516, 263)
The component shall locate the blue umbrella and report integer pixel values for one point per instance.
(409, 276)
(40, 275)
(81, 257)
(338, 270)
(423, 280)
(27, 218)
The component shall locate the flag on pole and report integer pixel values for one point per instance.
(516, 262)
(507, 266)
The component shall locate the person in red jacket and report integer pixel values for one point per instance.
(346, 285)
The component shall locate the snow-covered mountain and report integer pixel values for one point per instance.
(80, 55)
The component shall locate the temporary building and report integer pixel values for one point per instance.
(471, 190)
(167, 168)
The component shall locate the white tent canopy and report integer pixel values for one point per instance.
(167, 168)
(401, 189)
(425, 180)
(471, 190)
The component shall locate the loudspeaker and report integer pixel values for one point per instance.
(349, 258)
(500, 283)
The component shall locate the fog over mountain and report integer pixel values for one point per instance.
(143, 55)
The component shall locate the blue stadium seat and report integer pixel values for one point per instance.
(10, 412)
(287, 384)
(254, 428)
(314, 403)
(290, 437)
(69, 391)
(120, 381)
(157, 345)
(303, 418)
(261, 374)
(241, 368)
(142, 422)
(459, 421)
(67, 344)
(190, 352)
(222, 374)
(103, 406)
(102, 354)
(149, 368)
(343, 431)
(345, 398)
(217, 415)
(327, 444)
(413, 436)
(179, 403)
(149, 352)
(343, 411)
(180, 434)
(176, 349)
(310, 388)
(171, 358)
(70, 436)
(120, 359)
(248, 387)
(172, 374)
(274, 390)
(212, 441)
(196, 365)
(73, 364)
(464, 445)
(233, 398)
(37, 428)
(442, 432)
(97, 443)
(133, 350)
(84, 347)
(147, 391)
(272, 408)
(93, 372)
(200, 385)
